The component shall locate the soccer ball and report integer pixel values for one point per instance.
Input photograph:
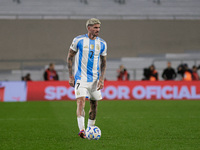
(93, 133)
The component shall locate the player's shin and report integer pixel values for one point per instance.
(81, 113)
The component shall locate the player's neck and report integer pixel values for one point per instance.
(92, 37)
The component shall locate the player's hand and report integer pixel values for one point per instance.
(71, 81)
(100, 84)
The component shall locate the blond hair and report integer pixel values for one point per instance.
(92, 21)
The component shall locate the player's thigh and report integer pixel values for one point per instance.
(81, 89)
(95, 95)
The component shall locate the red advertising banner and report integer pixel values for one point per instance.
(119, 90)
(148, 90)
(49, 90)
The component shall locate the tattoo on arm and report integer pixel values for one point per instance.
(70, 57)
(103, 66)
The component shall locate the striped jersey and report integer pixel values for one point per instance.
(87, 58)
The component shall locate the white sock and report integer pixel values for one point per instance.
(81, 123)
(91, 122)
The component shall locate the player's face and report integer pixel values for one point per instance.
(94, 30)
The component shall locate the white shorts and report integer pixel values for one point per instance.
(87, 89)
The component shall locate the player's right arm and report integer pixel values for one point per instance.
(70, 58)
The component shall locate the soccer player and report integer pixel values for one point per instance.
(88, 50)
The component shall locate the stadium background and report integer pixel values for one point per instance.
(33, 34)
(139, 33)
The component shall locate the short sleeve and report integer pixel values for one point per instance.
(103, 49)
(73, 46)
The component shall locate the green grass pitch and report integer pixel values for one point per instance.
(125, 125)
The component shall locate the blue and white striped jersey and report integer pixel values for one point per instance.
(87, 58)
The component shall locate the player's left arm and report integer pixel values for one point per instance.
(103, 70)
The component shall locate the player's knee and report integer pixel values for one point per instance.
(81, 102)
(93, 104)
(92, 115)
